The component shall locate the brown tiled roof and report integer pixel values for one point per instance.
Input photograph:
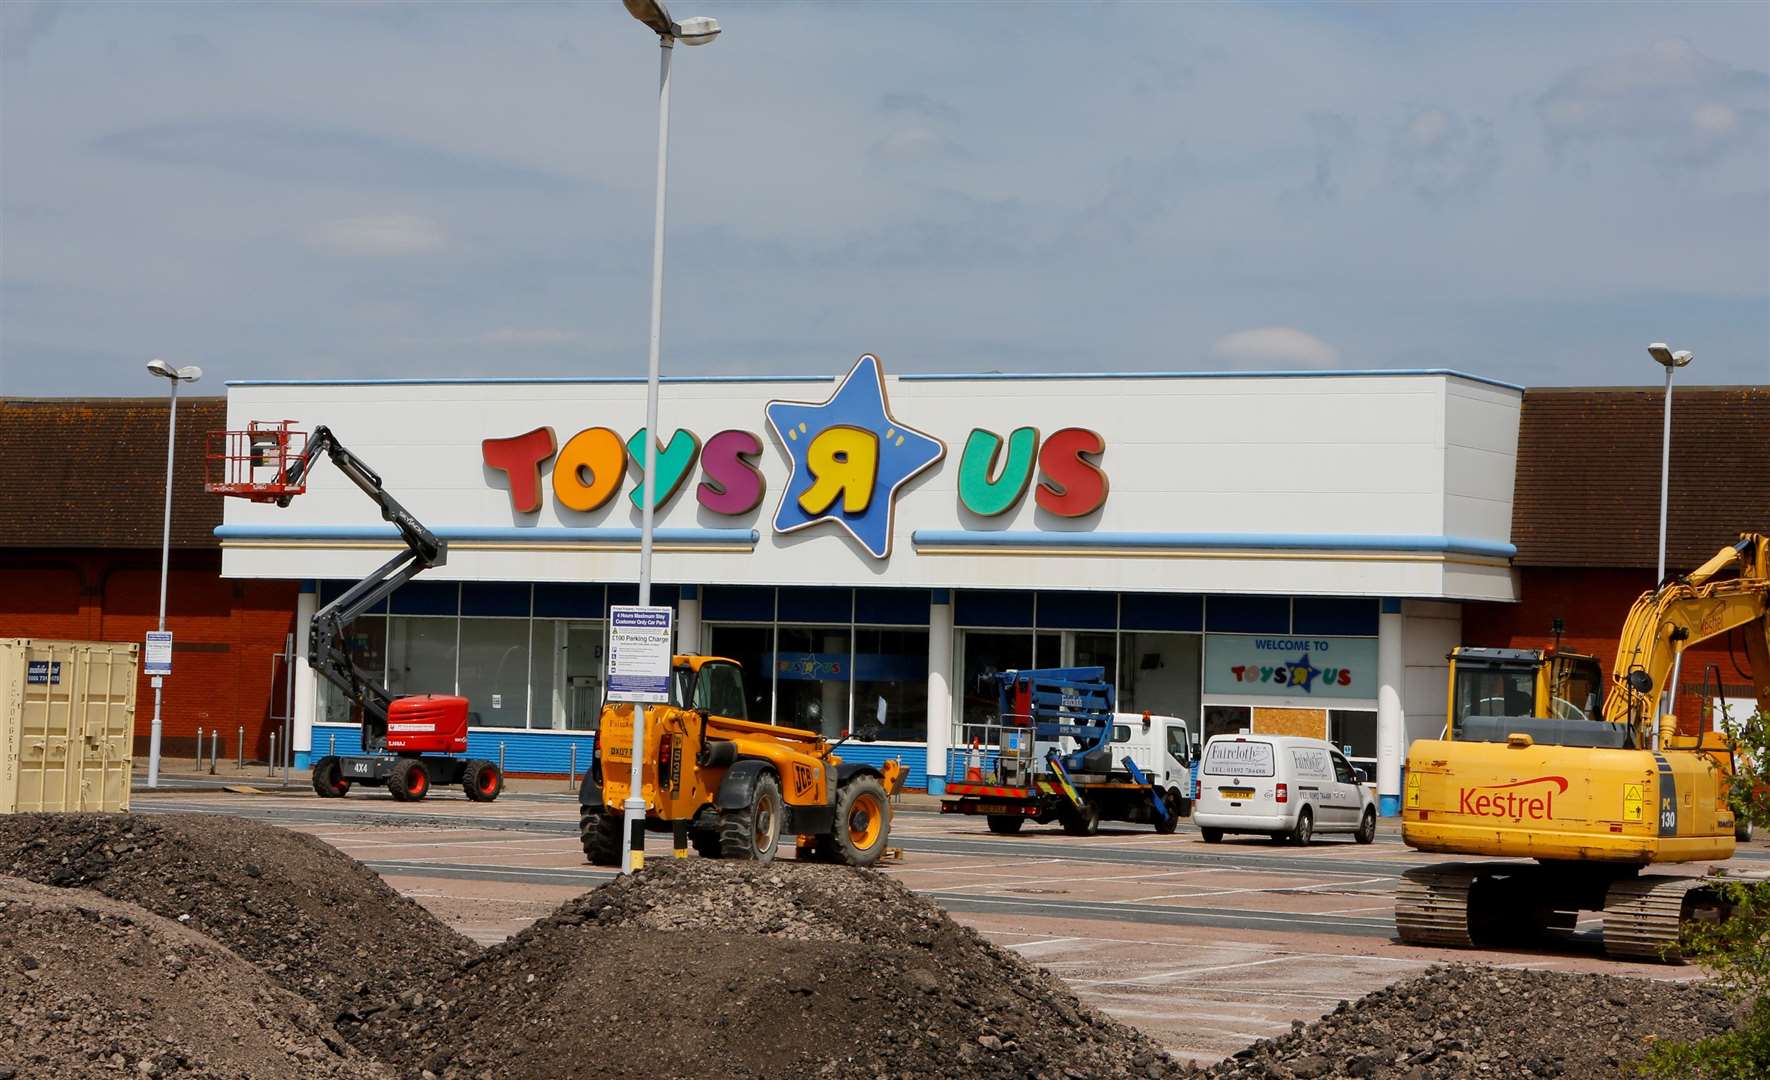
(90, 472)
(1588, 474)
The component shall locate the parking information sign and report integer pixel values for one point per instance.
(159, 653)
(639, 653)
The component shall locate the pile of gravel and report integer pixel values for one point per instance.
(717, 969)
(314, 919)
(1464, 1021)
(96, 987)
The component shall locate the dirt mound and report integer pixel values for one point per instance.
(314, 919)
(714, 969)
(1466, 1021)
(97, 987)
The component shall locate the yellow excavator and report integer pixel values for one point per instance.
(1531, 767)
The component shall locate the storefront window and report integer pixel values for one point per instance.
(1227, 720)
(368, 646)
(985, 652)
(1355, 732)
(812, 670)
(546, 702)
(752, 647)
(891, 684)
(420, 654)
(1158, 673)
(1097, 650)
(495, 671)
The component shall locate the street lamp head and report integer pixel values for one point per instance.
(1663, 354)
(696, 31)
(187, 373)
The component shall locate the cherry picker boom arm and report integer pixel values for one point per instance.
(328, 648)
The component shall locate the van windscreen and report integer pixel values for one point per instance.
(1232, 757)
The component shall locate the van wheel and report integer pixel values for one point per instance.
(1212, 836)
(1005, 824)
(1083, 822)
(1305, 830)
(1367, 826)
(753, 833)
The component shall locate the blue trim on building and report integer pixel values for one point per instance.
(937, 785)
(1041, 376)
(1236, 614)
(690, 592)
(537, 380)
(549, 752)
(1389, 805)
(1203, 541)
(471, 533)
(1334, 616)
(940, 596)
(1391, 605)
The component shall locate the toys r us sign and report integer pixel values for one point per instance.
(848, 457)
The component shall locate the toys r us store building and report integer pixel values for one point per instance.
(1282, 552)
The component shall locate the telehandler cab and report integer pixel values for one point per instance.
(731, 786)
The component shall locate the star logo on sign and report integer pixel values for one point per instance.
(1303, 673)
(849, 457)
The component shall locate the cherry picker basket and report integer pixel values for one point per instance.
(254, 463)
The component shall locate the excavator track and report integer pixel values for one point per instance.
(1642, 916)
(1432, 905)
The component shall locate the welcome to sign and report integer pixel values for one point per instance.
(848, 458)
(1238, 665)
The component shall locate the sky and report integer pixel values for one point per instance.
(1531, 193)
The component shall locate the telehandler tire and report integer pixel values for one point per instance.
(753, 833)
(1005, 824)
(328, 779)
(705, 843)
(863, 821)
(600, 835)
(482, 781)
(410, 781)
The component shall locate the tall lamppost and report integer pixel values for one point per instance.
(1671, 361)
(188, 373)
(695, 31)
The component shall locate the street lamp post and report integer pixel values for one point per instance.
(695, 31)
(188, 373)
(1671, 361)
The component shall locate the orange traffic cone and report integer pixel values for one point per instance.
(974, 764)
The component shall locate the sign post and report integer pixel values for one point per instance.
(639, 649)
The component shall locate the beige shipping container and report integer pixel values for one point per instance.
(67, 724)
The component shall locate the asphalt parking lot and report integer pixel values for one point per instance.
(1205, 946)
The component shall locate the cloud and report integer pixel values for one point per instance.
(914, 144)
(917, 104)
(270, 149)
(1275, 345)
(1439, 155)
(22, 25)
(378, 237)
(1670, 100)
(1335, 136)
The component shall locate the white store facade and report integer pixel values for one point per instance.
(1287, 552)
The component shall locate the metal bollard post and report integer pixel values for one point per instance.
(199, 749)
(270, 764)
(332, 746)
(240, 742)
(571, 776)
(214, 748)
(500, 758)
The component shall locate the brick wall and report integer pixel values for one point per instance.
(1592, 603)
(225, 632)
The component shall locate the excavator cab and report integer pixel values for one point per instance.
(1551, 695)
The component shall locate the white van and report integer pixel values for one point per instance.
(1286, 786)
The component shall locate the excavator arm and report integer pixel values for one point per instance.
(328, 648)
(1731, 591)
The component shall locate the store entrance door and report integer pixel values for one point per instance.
(581, 664)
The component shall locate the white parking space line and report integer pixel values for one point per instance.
(1286, 890)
